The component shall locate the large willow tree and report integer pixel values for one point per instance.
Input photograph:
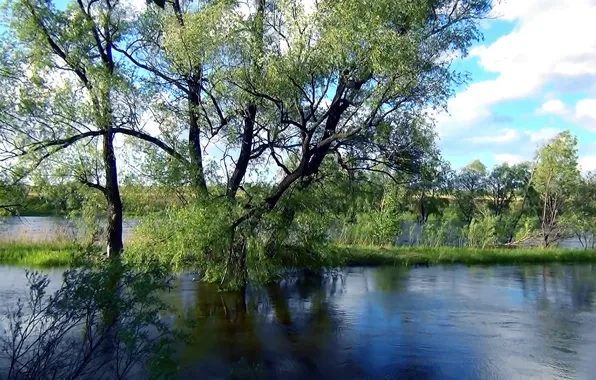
(297, 85)
(304, 87)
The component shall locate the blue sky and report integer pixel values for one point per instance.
(533, 76)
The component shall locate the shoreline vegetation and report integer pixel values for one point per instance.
(38, 254)
(407, 256)
(63, 254)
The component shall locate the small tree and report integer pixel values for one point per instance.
(556, 179)
(503, 184)
(469, 186)
(581, 216)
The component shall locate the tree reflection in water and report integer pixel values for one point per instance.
(436, 322)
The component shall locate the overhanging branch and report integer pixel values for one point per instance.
(153, 140)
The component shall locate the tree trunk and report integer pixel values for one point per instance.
(112, 193)
(194, 138)
(245, 150)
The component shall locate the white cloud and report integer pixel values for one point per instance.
(588, 163)
(583, 114)
(510, 158)
(586, 109)
(543, 134)
(552, 40)
(506, 136)
(554, 106)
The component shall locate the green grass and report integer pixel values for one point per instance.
(372, 256)
(42, 255)
(61, 254)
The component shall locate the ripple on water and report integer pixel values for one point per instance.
(423, 323)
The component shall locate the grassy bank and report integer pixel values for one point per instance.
(56, 254)
(365, 256)
(43, 255)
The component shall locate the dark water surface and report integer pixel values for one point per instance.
(450, 322)
(424, 323)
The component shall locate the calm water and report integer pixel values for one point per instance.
(451, 322)
(45, 228)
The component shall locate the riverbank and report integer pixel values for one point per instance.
(42, 254)
(374, 256)
(60, 254)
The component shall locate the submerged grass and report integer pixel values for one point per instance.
(365, 256)
(39, 254)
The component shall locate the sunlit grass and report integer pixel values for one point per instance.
(61, 254)
(42, 254)
(362, 255)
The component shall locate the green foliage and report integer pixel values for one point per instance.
(556, 179)
(441, 231)
(580, 217)
(195, 236)
(88, 219)
(43, 255)
(557, 172)
(480, 233)
(362, 255)
(199, 236)
(387, 220)
(12, 194)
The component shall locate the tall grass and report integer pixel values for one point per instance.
(59, 234)
(366, 255)
(40, 254)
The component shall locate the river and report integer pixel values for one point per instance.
(46, 228)
(442, 322)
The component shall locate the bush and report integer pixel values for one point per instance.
(202, 236)
(480, 233)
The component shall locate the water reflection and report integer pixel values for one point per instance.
(452, 322)
(438, 322)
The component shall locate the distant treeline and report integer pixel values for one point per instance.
(539, 202)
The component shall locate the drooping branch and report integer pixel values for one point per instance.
(58, 145)
(153, 140)
(10, 207)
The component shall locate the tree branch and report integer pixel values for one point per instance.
(153, 140)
